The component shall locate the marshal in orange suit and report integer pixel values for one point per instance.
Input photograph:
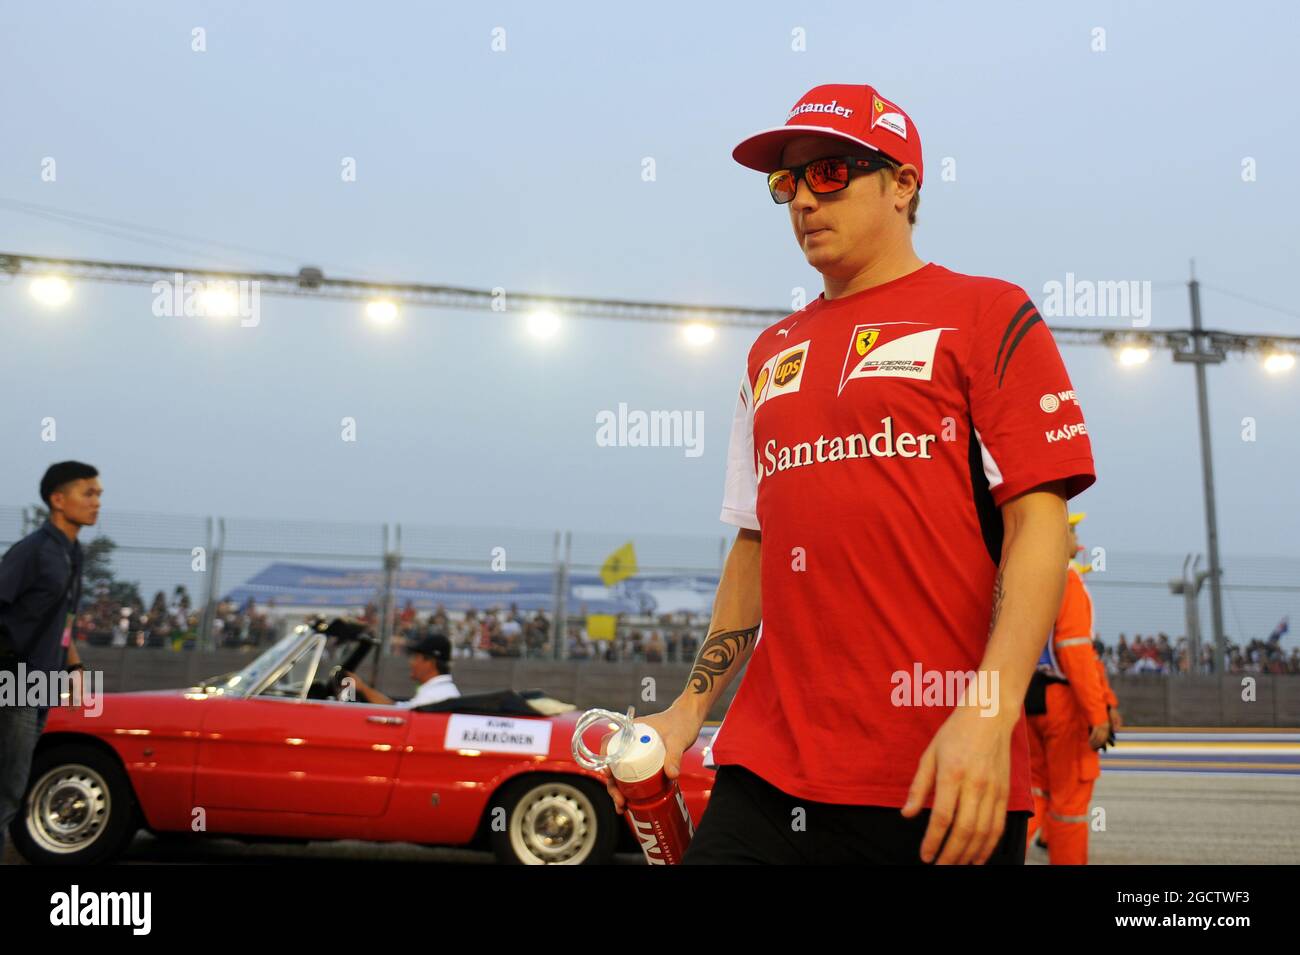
(1069, 723)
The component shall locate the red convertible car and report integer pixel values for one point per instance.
(277, 751)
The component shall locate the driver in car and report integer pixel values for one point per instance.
(430, 669)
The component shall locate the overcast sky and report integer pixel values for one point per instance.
(524, 169)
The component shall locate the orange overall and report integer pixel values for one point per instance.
(1063, 766)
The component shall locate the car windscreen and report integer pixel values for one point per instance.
(252, 674)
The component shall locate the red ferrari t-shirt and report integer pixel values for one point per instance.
(875, 438)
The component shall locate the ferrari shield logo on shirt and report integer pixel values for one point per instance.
(864, 338)
(910, 355)
(781, 374)
(887, 115)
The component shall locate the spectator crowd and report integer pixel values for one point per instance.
(493, 633)
(174, 622)
(510, 632)
(1158, 654)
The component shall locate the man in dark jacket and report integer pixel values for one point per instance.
(40, 587)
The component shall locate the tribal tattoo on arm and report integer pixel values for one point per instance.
(719, 652)
(997, 602)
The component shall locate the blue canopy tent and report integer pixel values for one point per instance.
(345, 589)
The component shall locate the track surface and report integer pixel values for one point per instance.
(1178, 796)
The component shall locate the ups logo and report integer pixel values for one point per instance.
(788, 368)
(782, 374)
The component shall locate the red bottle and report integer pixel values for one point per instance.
(655, 808)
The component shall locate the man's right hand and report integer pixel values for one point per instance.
(1116, 720)
(678, 727)
(1099, 736)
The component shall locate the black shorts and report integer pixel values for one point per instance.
(748, 820)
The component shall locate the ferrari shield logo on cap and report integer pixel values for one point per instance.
(865, 338)
(887, 115)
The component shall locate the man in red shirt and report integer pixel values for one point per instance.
(901, 454)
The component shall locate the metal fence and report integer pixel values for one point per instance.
(212, 557)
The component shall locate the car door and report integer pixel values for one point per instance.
(452, 762)
(276, 751)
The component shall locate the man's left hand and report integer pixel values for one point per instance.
(968, 767)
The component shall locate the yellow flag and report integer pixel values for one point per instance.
(619, 565)
(600, 626)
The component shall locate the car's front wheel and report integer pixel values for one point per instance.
(79, 810)
(552, 820)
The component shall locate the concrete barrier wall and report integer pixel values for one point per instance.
(1145, 700)
(583, 683)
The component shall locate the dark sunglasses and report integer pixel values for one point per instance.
(823, 176)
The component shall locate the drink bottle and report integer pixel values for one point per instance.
(634, 756)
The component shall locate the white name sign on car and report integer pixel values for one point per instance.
(498, 734)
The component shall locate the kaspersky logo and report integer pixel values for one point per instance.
(830, 107)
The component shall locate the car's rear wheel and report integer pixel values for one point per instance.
(553, 820)
(79, 809)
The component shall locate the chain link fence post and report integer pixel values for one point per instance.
(557, 650)
(563, 550)
(391, 561)
(213, 588)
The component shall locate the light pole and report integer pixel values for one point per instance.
(1204, 351)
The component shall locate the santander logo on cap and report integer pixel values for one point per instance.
(854, 113)
(830, 107)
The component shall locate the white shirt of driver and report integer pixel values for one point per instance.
(433, 690)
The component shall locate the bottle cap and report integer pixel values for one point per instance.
(643, 757)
